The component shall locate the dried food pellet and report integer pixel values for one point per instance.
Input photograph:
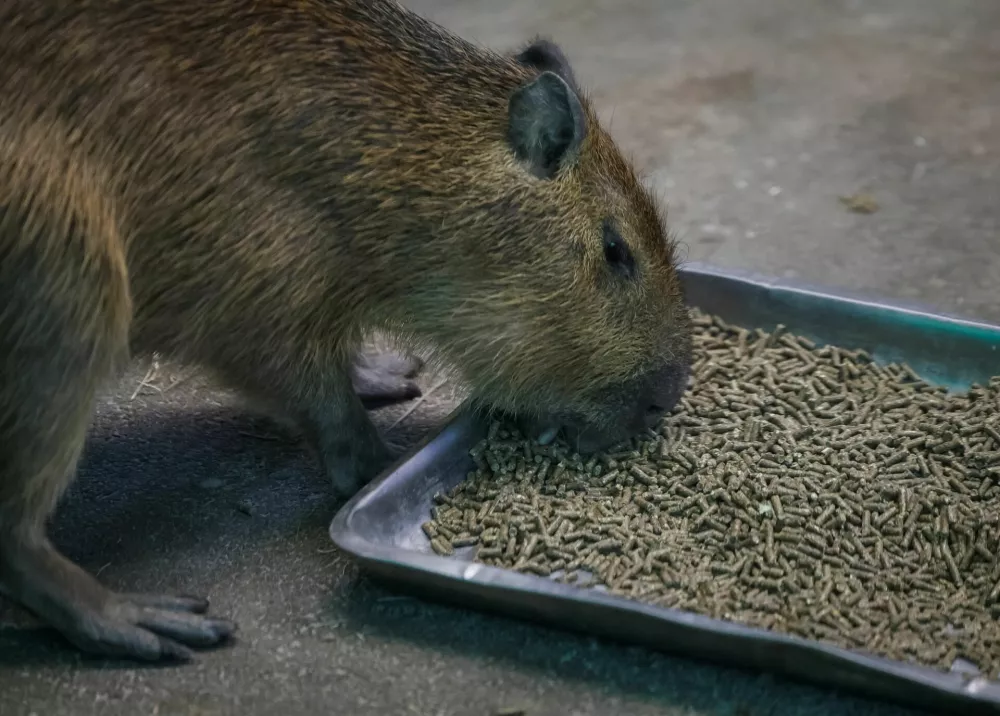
(442, 547)
(798, 488)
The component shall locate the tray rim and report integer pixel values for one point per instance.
(842, 296)
(373, 554)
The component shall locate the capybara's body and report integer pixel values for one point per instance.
(253, 186)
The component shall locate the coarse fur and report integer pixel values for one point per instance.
(254, 187)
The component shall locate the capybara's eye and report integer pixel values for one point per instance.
(616, 251)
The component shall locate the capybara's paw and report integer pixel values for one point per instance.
(149, 628)
(385, 377)
(98, 621)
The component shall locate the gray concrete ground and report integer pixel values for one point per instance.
(751, 118)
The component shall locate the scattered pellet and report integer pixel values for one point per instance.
(796, 487)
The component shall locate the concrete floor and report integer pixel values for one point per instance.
(751, 119)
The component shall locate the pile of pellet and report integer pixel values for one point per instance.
(801, 489)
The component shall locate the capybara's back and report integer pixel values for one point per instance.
(254, 186)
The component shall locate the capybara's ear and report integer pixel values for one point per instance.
(546, 56)
(546, 124)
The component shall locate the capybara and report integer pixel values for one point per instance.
(254, 186)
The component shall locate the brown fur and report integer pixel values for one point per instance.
(253, 187)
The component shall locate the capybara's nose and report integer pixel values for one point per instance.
(662, 391)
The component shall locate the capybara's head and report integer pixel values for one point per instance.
(560, 299)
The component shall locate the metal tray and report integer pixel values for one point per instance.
(380, 526)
